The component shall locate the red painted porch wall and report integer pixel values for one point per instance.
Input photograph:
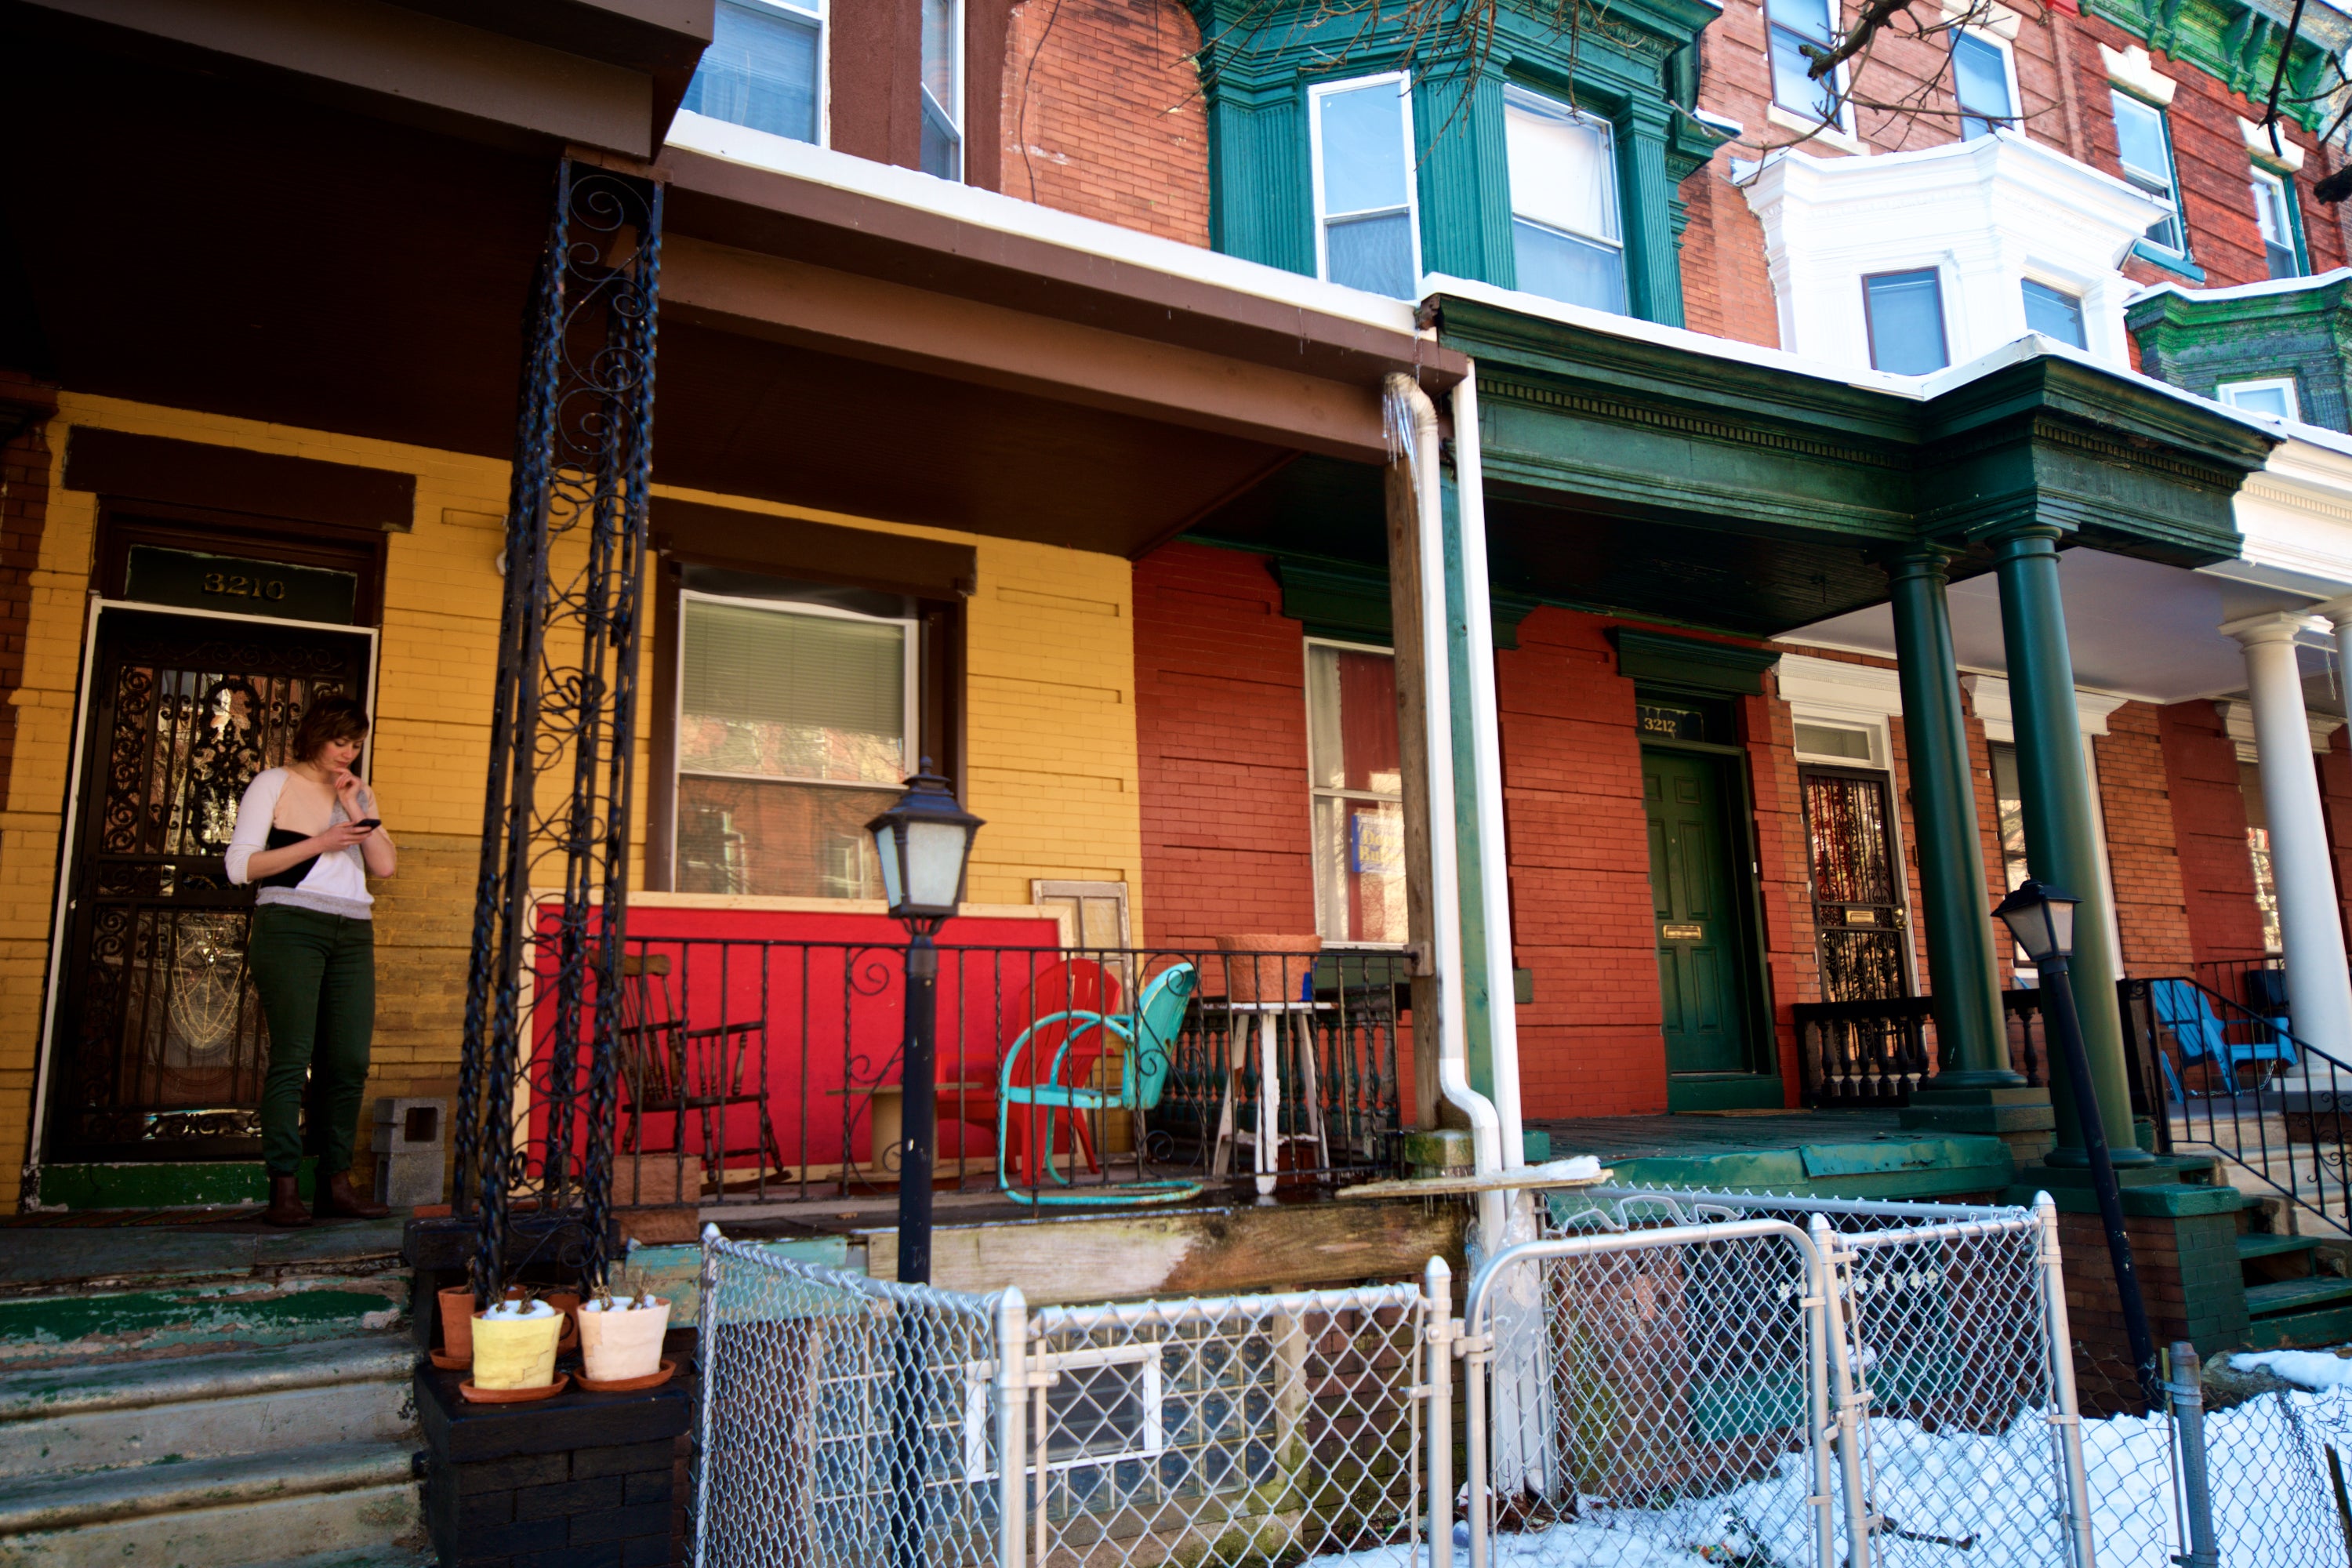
(2143, 842)
(2208, 825)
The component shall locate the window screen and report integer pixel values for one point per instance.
(1357, 788)
(792, 732)
(1980, 83)
(1565, 231)
(763, 68)
(1364, 186)
(2144, 144)
(1905, 311)
(2054, 313)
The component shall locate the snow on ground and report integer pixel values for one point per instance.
(1957, 1499)
(2321, 1370)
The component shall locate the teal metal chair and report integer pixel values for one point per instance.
(1149, 1037)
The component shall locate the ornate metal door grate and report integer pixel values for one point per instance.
(161, 1046)
(1858, 905)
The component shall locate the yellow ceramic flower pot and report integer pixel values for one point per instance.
(516, 1352)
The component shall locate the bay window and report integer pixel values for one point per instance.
(1357, 794)
(764, 67)
(2054, 313)
(1366, 233)
(1566, 235)
(1904, 314)
(795, 725)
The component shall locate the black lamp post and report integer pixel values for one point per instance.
(2041, 919)
(924, 843)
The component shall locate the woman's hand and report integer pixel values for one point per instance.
(357, 800)
(342, 836)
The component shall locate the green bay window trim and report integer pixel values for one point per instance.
(1367, 224)
(2143, 145)
(765, 69)
(942, 89)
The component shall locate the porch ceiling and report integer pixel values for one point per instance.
(238, 246)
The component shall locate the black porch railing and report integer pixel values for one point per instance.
(2256, 983)
(2222, 1077)
(755, 1071)
(1872, 1054)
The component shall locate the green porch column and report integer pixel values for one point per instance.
(2061, 836)
(1963, 969)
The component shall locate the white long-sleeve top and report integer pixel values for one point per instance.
(335, 882)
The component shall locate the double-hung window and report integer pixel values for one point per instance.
(2144, 142)
(2275, 215)
(1366, 234)
(1796, 26)
(1904, 314)
(1980, 82)
(795, 725)
(764, 67)
(943, 89)
(2054, 313)
(1357, 778)
(1566, 235)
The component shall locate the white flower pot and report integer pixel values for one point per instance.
(624, 1342)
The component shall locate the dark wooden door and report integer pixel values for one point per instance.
(1857, 886)
(1695, 895)
(158, 1050)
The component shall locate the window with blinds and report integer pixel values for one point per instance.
(794, 728)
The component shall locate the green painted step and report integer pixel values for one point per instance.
(2301, 1331)
(2296, 1296)
(2258, 1244)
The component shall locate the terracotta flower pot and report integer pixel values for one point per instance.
(568, 1303)
(624, 1342)
(516, 1352)
(1252, 975)
(457, 1323)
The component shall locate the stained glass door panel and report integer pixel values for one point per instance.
(159, 1046)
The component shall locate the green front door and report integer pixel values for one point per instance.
(1701, 965)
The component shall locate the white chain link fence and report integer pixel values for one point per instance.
(1658, 1379)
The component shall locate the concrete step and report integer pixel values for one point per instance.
(378, 1557)
(2296, 1296)
(2256, 1243)
(298, 1397)
(220, 1513)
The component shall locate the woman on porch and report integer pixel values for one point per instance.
(308, 836)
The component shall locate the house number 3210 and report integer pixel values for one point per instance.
(237, 585)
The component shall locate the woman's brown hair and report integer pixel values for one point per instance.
(327, 718)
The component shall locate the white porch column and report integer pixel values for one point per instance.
(2319, 991)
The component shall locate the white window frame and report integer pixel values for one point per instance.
(1797, 119)
(2227, 394)
(980, 1408)
(911, 715)
(1316, 792)
(2257, 178)
(2071, 288)
(2171, 197)
(1873, 730)
(1946, 298)
(1314, 96)
(956, 110)
(2008, 66)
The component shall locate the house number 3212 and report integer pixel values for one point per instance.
(237, 585)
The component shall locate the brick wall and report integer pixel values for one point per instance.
(2209, 828)
(1103, 116)
(2336, 802)
(2134, 799)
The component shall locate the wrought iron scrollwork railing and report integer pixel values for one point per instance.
(534, 1127)
(763, 1070)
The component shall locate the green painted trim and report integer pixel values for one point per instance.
(1721, 668)
(1944, 1167)
(1348, 601)
(2234, 41)
(159, 1184)
(1740, 1092)
(2173, 261)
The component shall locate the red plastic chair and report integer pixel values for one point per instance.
(1066, 985)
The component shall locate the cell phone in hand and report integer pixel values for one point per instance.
(370, 823)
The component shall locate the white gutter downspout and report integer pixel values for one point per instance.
(1487, 769)
(1412, 420)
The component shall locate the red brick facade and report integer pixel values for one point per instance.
(2135, 803)
(2208, 829)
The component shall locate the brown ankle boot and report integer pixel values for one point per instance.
(286, 1202)
(338, 1200)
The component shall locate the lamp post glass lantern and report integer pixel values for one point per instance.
(924, 843)
(2040, 918)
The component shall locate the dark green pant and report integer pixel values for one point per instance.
(316, 974)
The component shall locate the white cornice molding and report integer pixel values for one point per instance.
(2238, 720)
(2131, 67)
(1989, 695)
(2295, 515)
(1833, 689)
